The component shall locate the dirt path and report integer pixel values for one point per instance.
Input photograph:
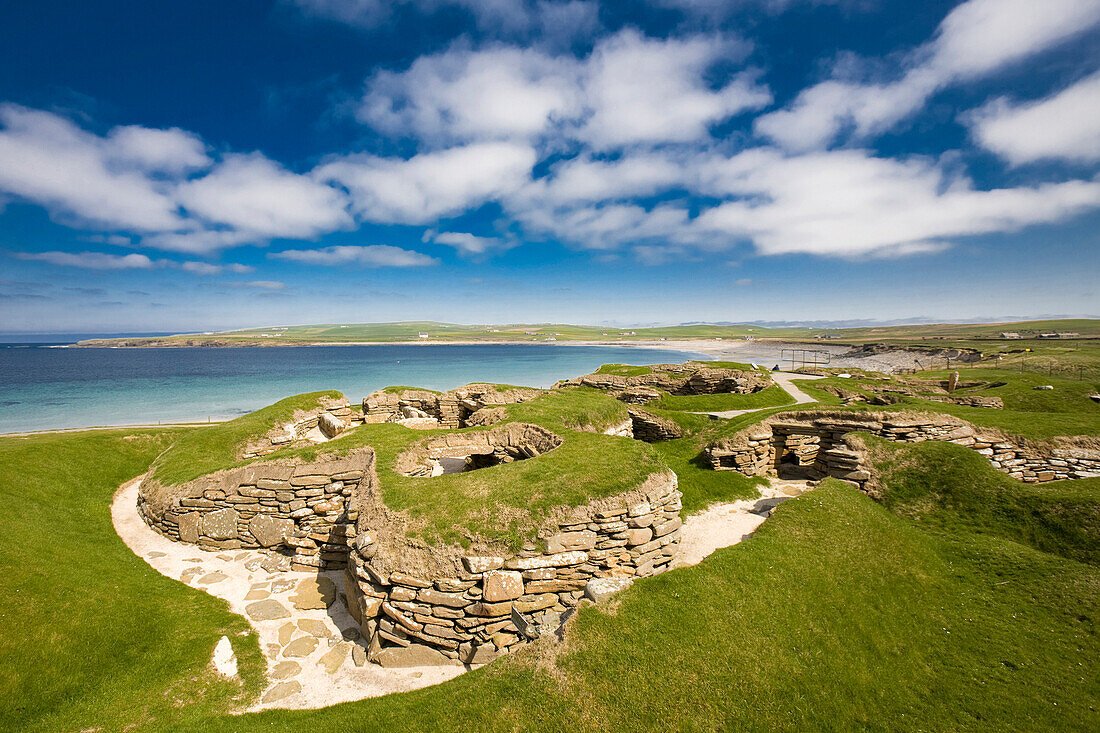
(308, 638)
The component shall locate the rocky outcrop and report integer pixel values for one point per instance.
(482, 605)
(302, 509)
(815, 445)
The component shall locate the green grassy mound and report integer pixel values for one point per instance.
(953, 488)
(214, 448)
(839, 614)
(94, 638)
(507, 503)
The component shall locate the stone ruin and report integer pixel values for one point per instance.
(469, 406)
(447, 605)
(692, 378)
(316, 426)
(460, 452)
(813, 445)
(300, 509)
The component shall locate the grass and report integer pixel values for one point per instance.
(213, 448)
(774, 396)
(839, 614)
(624, 370)
(95, 639)
(953, 489)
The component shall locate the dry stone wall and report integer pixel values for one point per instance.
(652, 428)
(304, 510)
(814, 445)
(486, 605)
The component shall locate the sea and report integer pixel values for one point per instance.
(49, 385)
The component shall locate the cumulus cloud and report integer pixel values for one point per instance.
(1064, 126)
(631, 90)
(469, 245)
(645, 90)
(430, 185)
(170, 151)
(91, 260)
(253, 194)
(977, 38)
(547, 21)
(373, 255)
(85, 178)
(849, 203)
(208, 268)
(462, 94)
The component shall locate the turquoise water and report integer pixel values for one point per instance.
(44, 388)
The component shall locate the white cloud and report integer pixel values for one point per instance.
(553, 21)
(466, 95)
(981, 36)
(848, 203)
(253, 194)
(91, 260)
(977, 38)
(47, 159)
(587, 179)
(1064, 126)
(645, 90)
(207, 268)
(630, 90)
(468, 245)
(430, 185)
(373, 255)
(170, 151)
(264, 284)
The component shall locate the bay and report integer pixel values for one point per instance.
(46, 387)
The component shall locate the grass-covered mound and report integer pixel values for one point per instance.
(953, 488)
(217, 447)
(839, 614)
(507, 503)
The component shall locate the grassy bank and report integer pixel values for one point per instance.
(94, 638)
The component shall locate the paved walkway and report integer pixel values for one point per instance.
(306, 635)
(784, 380)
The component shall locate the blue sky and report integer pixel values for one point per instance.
(204, 165)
